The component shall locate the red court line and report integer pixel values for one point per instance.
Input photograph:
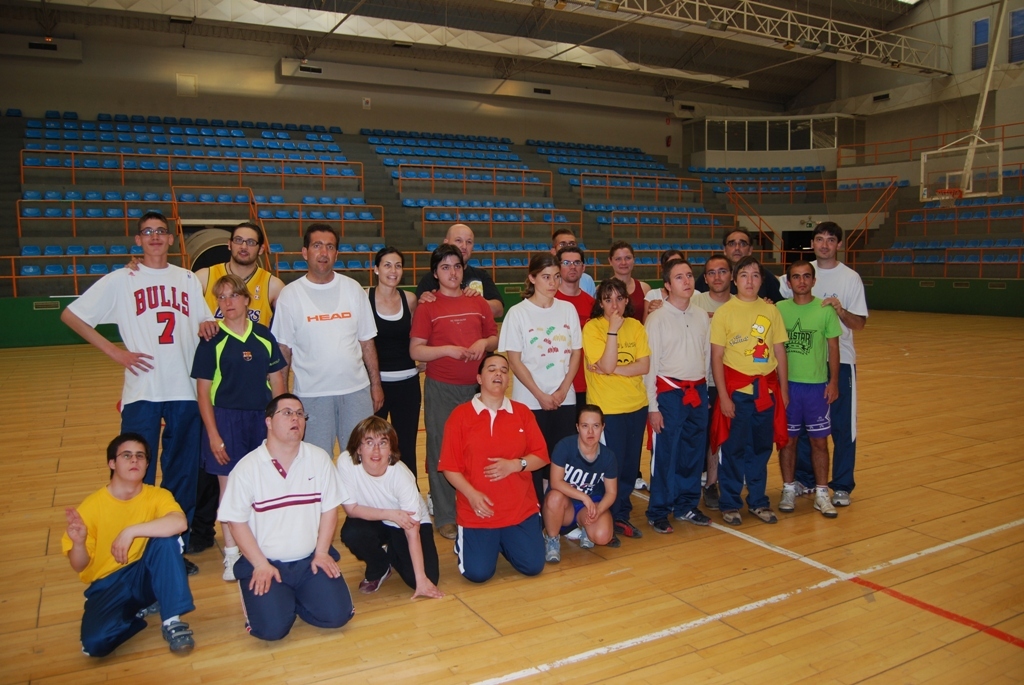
(938, 611)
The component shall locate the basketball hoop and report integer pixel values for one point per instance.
(948, 196)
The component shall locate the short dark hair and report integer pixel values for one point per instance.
(385, 251)
(442, 252)
(829, 227)
(569, 248)
(373, 425)
(151, 214)
(669, 255)
(744, 263)
(717, 255)
(606, 286)
(666, 269)
(320, 228)
(620, 245)
(489, 355)
(252, 227)
(736, 229)
(115, 446)
(801, 262)
(593, 409)
(562, 231)
(272, 405)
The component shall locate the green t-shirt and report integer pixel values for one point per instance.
(809, 326)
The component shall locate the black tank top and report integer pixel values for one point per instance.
(392, 339)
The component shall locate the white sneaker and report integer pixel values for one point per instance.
(841, 498)
(229, 564)
(823, 503)
(802, 490)
(640, 484)
(430, 505)
(574, 534)
(788, 501)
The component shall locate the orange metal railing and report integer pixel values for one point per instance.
(655, 188)
(525, 218)
(658, 222)
(909, 149)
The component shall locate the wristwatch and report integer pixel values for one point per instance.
(522, 464)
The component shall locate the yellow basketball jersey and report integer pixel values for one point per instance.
(259, 294)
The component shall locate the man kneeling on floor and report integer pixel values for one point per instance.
(281, 503)
(123, 541)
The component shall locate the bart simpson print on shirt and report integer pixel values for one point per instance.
(761, 352)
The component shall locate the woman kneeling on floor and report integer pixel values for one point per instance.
(384, 509)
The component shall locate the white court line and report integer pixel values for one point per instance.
(837, 576)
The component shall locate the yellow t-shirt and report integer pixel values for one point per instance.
(615, 394)
(259, 294)
(106, 516)
(748, 331)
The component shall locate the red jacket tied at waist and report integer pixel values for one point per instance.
(734, 380)
(690, 395)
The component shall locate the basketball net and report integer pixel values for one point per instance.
(948, 196)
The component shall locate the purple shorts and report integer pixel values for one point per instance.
(242, 431)
(808, 408)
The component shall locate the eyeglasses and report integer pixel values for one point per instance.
(133, 456)
(717, 272)
(330, 247)
(572, 262)
(243, 241)
(289, 413)
(566, 243)
(232, 296)
(381, 443)
(737, 243)
(154, 231)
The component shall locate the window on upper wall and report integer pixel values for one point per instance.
(1016, 36)
(979, 51)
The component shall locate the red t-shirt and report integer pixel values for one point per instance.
(459, 321)
(470, 439)
(584, 304)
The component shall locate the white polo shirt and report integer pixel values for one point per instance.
(283, 511)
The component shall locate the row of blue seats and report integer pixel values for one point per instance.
(433, 136)
(507, 247)
(499, 217)
(292, 151)
(784, 188)
(276, 248)
(437, 175)
(599, 154)
(582, 146)
(432, 161)
(657, 221)
(756, 170)
(202, 121)
(873, 185)
(576, 171)
(974, 243)
(198, 167)
(78, 250)
(609, 163)
(447, 154)
(678, 209)
(314, 215)
(771, 178)
(90, 213)
(438, 144)
(988, 258)
(632, 182)
(977, 215)
(58, 270)
(192, 141)
(142, 134)
(475, 204)
(135, 196)
(980, 201)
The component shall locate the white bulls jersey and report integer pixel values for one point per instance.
(157, 312)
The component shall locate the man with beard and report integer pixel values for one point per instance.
(736, 245)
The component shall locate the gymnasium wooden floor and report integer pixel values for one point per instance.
(918, 581)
